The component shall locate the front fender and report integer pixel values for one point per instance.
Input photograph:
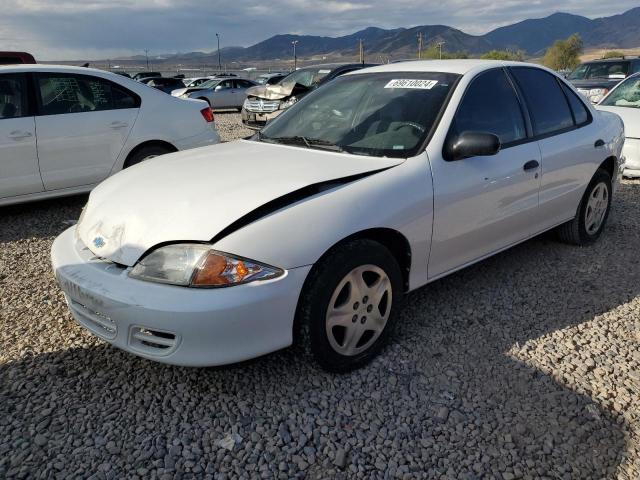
(400, 198)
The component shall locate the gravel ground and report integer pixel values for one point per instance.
(524, 366)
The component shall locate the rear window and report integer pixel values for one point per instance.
(13, 96)
(580, 112)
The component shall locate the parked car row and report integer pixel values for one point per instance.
(379, 182)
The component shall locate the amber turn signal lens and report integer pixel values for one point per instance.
(212, 270)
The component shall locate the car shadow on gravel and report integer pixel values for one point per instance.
(444, 400)
(40, 219)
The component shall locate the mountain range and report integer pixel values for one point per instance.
(532, 36)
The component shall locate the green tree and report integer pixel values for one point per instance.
(564, 54)
(517, 56)
(433, 52)
(613, 54)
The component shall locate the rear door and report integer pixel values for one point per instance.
(224, 95)
(82, 125)
(567, 139)
(19, 172)
(484, 204)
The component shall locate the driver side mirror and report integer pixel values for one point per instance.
(219, 87)
(473, 144)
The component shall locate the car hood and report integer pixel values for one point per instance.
(194, 195)
(272, 92)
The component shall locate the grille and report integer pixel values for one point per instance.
(97, 322)
(262, 106)
(152, 342)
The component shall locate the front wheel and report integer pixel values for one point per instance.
(592, 213)
(347, 308)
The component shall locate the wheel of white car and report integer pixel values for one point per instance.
(346, 310)
(146, 153)
(592, 214)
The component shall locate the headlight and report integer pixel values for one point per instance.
(245, 105)
(597, 94)
(287, 103)
(197, 265)
(184, 95)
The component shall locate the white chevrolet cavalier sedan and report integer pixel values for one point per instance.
(378, 183)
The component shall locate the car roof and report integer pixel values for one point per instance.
(40, 67)
(460, 67)
(612, 60)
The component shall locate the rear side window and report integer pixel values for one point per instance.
(490, 105)
(636, 67)
(548, 106)
(63, 93)
(13, 96)
(580, 112)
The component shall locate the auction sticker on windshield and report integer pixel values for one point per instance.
(411, 83)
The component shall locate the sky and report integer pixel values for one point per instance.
(100, 29)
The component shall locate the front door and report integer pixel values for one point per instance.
(484, 204)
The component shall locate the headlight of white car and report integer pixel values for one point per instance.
(245, 105)
(287, 103)
(197, 265)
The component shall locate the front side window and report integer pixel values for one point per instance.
(547, 103)
(13, 96)
(626, 95)
(63, 93)
(377, 114)
(490, 105)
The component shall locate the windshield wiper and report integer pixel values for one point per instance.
(307, 142)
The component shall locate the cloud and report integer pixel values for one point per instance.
(86, 29)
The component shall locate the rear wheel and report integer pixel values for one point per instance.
(347, 308)
(146, 153)
(592, 214)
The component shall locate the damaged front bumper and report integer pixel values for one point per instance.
(170, 324)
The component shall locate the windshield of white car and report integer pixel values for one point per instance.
(376, 114)
(601, 70)
(626, 95)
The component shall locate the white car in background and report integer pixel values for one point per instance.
(378, 183)
(65, 129)
(624, 100)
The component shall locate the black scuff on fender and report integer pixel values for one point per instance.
(289, 199)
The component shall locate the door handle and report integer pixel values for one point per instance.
(17, 135)
(118, 124)
(531, 165)
(599, 143)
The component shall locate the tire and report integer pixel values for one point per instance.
(348, 343)
(146, 153)
(592, 214)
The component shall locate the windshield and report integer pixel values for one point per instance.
(626, 95)
(377, 114)
(608, 70)
(307, 76)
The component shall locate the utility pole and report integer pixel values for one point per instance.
(146, 54)
(440, 44)
(295, 58)
(420, 40)
(361, 50)
(219, 59)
